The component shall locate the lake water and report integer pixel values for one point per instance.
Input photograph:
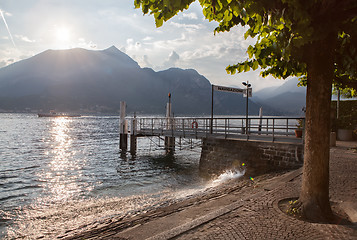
(58, 174)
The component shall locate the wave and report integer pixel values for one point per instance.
(8, 176)
(19, 169)
(26, 187)
(11, 197)
(228, 175)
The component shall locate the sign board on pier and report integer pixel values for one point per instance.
(234, 90)
(228, 89)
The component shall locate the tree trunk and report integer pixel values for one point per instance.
(314, 195)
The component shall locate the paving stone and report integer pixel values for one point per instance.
(259, 219)
(251, 212)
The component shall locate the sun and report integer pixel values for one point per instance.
(62, 37)
(62, 34)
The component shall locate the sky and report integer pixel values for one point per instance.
(29, 27)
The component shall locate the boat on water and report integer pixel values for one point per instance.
(55, 114)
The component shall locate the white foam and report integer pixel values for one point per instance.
(226, 176)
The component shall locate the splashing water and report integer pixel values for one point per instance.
(226, 176)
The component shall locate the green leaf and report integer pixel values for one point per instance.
(255, 65)
(250, 51)
(159, 22)
(246, 67)
(240, 67)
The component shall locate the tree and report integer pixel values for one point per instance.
(314, 40)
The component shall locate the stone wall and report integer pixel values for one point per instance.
(219, 155)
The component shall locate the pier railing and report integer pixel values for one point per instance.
(273, 129)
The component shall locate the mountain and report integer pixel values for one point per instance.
(287, 99)
(96, 81)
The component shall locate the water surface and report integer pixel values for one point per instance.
(61, 173)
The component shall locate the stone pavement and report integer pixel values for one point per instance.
(253, 212)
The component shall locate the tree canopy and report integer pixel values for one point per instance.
(283, 29)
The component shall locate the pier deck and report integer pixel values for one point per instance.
(259, 129)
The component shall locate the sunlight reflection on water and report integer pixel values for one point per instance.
(81, 215)
(58, 174)
(60, 178)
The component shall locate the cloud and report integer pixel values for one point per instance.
(171, 61)
(132, 46)
(129, 41)
(191, 15)
(147, 38)
(6, 62)
(174, 57)
(142, 61)
(82, 43)
(216, 52)
(25, 38)
(169, 44)
(6, 13)
(145, 62)
(188, 27)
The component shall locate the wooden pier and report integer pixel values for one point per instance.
(267, 129)
(259, 129)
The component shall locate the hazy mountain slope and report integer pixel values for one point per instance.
(287, 99)
(85, 80)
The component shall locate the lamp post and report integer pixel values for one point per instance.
(211, 125)
(248, 85)
(169, 107)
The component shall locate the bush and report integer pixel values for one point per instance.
(347, 115)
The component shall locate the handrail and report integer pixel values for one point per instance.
(272, 127)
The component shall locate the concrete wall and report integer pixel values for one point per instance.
(219, 155)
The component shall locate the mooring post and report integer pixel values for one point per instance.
(133, 137)
(123, 128)
(169, 141)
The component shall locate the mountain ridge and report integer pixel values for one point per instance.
(96, 81)
(287, 99)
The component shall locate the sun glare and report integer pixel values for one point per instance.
(62, 34)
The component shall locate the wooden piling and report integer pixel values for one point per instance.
(169, 141)
(133, 137)
(169, 145)
(123, 128)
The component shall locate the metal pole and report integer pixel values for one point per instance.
(211, 127)
(246, 114)
(260, 119)
(338, 103)
(169, 115)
